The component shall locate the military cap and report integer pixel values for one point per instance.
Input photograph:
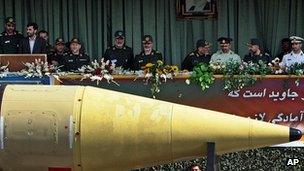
(10, 20)
(119, 34)
(147, 39)
(222, 40)
(255, 41)
(59, 41)
(202, 43)
(75, 40)
(296, 39)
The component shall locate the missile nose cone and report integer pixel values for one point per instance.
(294, 134)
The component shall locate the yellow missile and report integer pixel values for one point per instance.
(88, 129)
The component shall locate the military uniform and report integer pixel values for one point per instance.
(265, 57)
(49, 48)
(285, 48)
(72, 62)
(141, 59)
(9, 44)
(193, 59)
(256, 46)
(222, 57)
(56, 57)
(280, 55)
(122, 57)
(293, 58)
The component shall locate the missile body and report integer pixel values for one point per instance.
(88, 129)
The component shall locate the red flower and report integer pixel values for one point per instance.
(97, 71)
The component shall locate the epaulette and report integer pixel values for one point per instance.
(266, 54)
(191, 54)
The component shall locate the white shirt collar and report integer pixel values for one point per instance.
(301, 53)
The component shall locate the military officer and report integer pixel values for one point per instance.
(10, 38)
(200, 55)
(225, 54)
(45, 35)
(285, 48)
(256, 52)
(148, 55)
(76, 58)
(296, 55)
(56, 57)
(119, 53)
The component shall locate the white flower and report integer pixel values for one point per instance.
(96, 78)
(187, 81)
(164, 77)
(148, 75)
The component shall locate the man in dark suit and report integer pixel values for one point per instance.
(32, 44)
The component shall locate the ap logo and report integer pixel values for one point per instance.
(292, 162)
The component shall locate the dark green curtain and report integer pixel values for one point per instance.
(95, 21)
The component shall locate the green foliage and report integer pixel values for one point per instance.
(235, 75)
(202, 75)
(156, 73)
(296, 69)
(239, 75)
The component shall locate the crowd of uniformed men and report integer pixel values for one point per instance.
(71, 55)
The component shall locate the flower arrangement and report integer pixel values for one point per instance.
(295, 69)
(217, 67)
(4, 70)
(98, 71)
(235, 75)
(203, 75)
(238, 75)
(38, 68)
(276, 66)
(158, 73)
